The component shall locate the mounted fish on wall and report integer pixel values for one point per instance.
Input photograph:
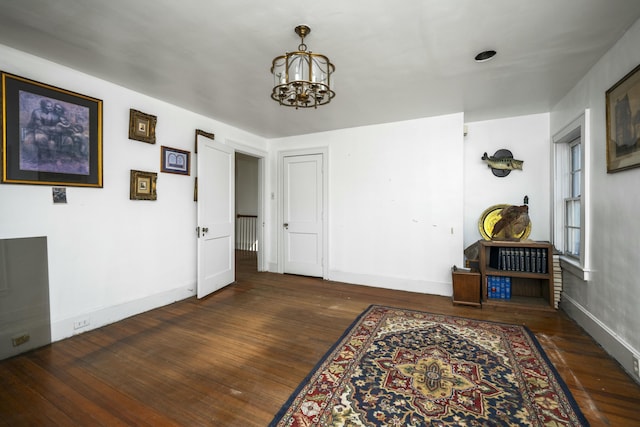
(502, 163)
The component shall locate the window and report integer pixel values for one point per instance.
(572, 201)
(570, 196)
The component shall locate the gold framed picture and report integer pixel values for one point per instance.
(195, 190)
(142, 127)
(623, 123)
(143, 185)
(203, 133)
(50, 135)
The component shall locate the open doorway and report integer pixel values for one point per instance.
(247, 225)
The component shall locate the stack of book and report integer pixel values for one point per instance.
(499, 287)
(531, 260)
(557, 280)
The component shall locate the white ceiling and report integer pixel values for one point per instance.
(395, 60)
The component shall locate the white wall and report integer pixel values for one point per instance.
(395, 202)
(110, 257)
(527, 137)
(404, 200)
(607, 306)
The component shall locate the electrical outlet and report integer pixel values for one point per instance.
(20, 339)
(636, 368)
(81, 323)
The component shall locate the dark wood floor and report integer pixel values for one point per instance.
(233, 358)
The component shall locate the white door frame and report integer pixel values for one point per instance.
(325, 204)
(261, 156)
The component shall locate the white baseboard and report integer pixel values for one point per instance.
(613, 344)
(65, 328)
(410, 285)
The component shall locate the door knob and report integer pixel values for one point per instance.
(205, 230)
(286, 225)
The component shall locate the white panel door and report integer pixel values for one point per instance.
(302, 219)
(216, 255)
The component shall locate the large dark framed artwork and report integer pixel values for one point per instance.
(50, 136)
(623, 123)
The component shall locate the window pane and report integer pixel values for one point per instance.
(573, 241)
(573, 213)
(572, 227)
(576, 173)
(575, 184)
(575, 157)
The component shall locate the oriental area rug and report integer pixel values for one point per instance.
(405, 368)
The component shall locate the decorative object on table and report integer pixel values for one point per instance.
(623, 123)
(142, 127)
(173, 160)
(50, 136)
(143, 185)
(513, 221)
(411, 368)
(502, 163)
(471, 255)
(505, 222)
(302, 79)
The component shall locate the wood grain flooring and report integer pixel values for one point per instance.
(233, 358)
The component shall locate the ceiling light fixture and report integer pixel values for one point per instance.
(302, 79)
(485, 56)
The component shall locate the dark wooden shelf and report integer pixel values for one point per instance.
(532, 290)
(511, 273)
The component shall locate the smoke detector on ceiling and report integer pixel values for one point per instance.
(485, 56)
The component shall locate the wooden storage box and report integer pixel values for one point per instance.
(466, 287)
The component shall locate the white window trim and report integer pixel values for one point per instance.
(4, 281)
(577, 128)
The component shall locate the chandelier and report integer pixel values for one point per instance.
(302, 79)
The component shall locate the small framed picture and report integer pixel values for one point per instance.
(173, 160)
(142, 127)
(143, 185)
(59, 195)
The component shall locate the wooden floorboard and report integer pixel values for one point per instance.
(233, 358)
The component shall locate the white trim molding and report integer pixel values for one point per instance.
(611, 342)
(578, 128)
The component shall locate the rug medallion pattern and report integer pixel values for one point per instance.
(407, 368)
